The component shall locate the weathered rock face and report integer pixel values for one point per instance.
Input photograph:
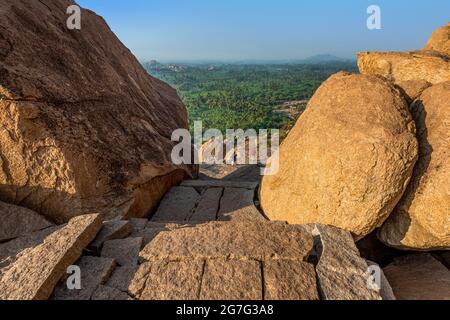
(419, 277)
(37, 270)
(342, 273)
(413, 88)
(422, 218)
(440, 40)
(17, 221)
(84, 128)
(348, 160)
(431, 66)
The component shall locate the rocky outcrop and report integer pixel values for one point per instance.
(419, 277)
(430, 66)
(36, 272)
(342, 273)
(422, 218)
(440, 40)
(17, 221)
(84, 128)
(348, 159)
(411, 69)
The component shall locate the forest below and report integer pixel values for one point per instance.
(244, 96)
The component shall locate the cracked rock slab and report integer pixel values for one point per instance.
(10, 251)
(289, 280)
(240, 240)
(237, 204)
(94, 272)
(231, 280)
(168, 280)
(31, 277)
(177, 205)
(208, 206)
(17, 221)
(342, 273)
(124, 251)
(112, 230)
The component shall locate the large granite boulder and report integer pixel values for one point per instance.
(348, 159)
(84, 128)
(430, 66)
(422, 218)
(17, 221)
(440, 40)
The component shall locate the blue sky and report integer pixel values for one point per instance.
(175, 30)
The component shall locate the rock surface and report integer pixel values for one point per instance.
(348, 159)
(94, 272)
(289, 280)
(430, 66)
(178, 205)
(112, 230)
(422, 218)
(440, 40)
(36, 272)
(17, 221)
(84, 127)
(342, 273)
(419, 277)
(109, 294)
(124, 251)
(232, 280)
(249, 240)
(414, 88)
(171, 280)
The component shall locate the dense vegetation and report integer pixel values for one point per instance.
(232, 96)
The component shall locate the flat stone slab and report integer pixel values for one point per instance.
(122, 277)
(219, 184)
(239, 240)
(232, 280)
(342, 273)
(112, 230)
(124, 251)
(109, 294)
(418, 277)
(17, 221)
(168, 280)
(94, 272)
(35, 274)
(10, 251)
(289, 280)
(208, 206)
(238, 204)
(177, 205)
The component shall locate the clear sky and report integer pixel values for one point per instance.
(174, 30)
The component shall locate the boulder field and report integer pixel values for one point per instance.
(371, 152)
